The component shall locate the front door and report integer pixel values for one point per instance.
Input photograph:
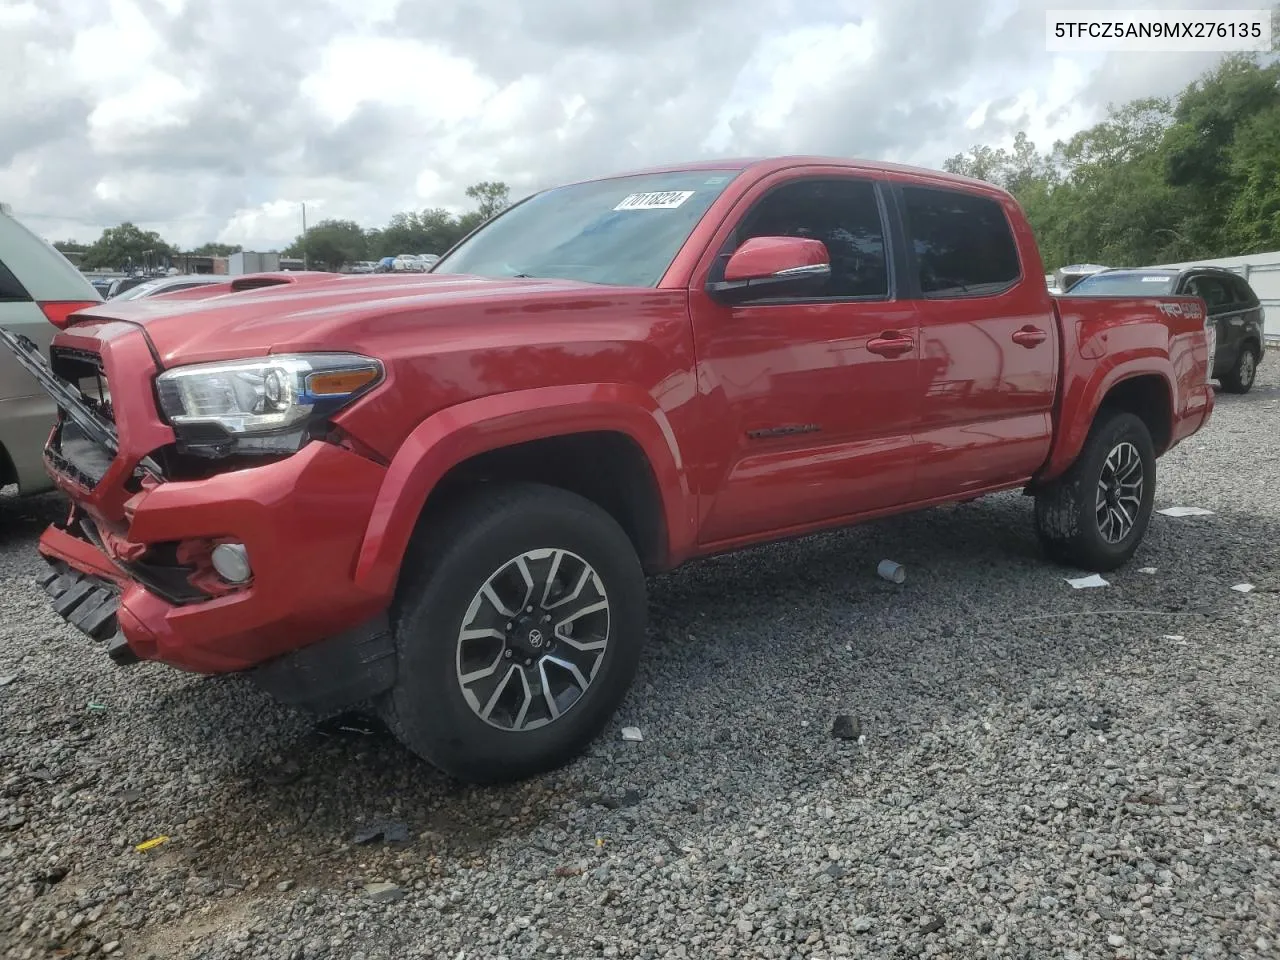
(817, 394)
(1226, 315)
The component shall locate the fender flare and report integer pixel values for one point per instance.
(1083, 398)
(457, 433)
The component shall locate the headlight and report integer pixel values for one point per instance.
(266, 405)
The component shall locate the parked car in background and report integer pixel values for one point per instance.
(1234, 310)
(430, 259)
(1065, 278)
(442, 494)
(39, 288)
(409, 263)
(121, 284)
(162, 285)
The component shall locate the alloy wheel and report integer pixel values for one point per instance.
(1119, 497)
(1247, 368)
(533, 638)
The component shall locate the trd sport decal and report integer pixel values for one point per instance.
(767, 433)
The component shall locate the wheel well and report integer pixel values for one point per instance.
(1147, 397)
(608, 468)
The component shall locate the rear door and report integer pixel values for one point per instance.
(817, 394)
(1227, 318)
(989, 343)
(1246, 311)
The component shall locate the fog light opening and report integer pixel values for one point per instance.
(231, 560)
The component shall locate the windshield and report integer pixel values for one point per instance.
(623, 231)
(1135, 284)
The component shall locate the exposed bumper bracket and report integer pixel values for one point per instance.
(334, 674)
(86, 602)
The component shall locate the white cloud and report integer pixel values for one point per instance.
(208, 121)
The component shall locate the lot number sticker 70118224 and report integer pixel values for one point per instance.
(665, 200)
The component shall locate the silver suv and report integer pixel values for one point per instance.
(39, 289)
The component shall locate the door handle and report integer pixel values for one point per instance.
(891, 344)
(1029, 336)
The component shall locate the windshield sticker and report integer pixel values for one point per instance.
(1154, 279)
(667, 200)
(713, 181)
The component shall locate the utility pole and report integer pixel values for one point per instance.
(304, 238)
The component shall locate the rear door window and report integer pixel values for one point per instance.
(1245, 296)
(1214, 291)
(962, 243)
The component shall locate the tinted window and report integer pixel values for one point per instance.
(1214, 291)
(1244, 293)
(10, 288)
(962, 243)
(844, 215)
(1125, 284)
(623, 231)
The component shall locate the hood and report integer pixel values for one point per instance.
(323, 311)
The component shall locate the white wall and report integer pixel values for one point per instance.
(1262, 270)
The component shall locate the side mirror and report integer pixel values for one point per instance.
(773, 267)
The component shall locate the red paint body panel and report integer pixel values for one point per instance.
(1108, 341)
(462, 431)
(302, 520)
(758, 422)
(765, 256)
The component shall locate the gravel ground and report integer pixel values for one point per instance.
(1044, 772)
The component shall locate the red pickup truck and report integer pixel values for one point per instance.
(441, 493)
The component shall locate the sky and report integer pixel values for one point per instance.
(218, 119)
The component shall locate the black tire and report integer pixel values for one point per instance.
(454, 555)
(1067, 519)
(1239, 379)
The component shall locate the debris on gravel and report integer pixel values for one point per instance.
(1044, 772)
(845, 727)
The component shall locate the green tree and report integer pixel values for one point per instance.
(1157, 180)
(431, 231)
(127, 245)
(216, 249)
(1253, 217)
(491, 197)
(70, 246)
(330, 243)
(436, 230)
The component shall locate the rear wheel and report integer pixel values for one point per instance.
(519, 630)
(1239, 379)
(1095, 515)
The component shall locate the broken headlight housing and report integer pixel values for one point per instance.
(265, 406)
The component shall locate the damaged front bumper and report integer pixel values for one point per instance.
(131, 567)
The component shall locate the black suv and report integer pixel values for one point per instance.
(1233, 307)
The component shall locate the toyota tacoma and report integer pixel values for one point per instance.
(441, 494)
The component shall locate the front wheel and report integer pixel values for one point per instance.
(1095, 515)
(519, 628)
